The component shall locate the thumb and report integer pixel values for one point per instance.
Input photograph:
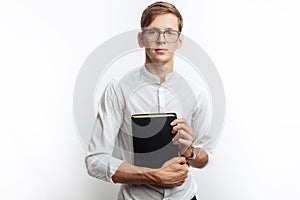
(180, 160)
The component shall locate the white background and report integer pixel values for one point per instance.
(254, 44)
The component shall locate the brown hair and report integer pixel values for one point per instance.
(160, 8)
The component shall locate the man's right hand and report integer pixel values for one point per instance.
(172, 173)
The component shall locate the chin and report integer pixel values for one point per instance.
(161, 59)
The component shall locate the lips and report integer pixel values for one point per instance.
(161, 50)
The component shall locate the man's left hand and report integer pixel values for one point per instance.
(184, 137)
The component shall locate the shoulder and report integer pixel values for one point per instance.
(129, 77)
(123, 84)
(197, 85)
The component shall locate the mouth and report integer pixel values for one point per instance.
(160, 50)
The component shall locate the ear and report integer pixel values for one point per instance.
(180, 41)
(140, 39)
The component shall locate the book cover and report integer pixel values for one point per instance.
(152, 139)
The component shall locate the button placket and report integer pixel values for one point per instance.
(161, 99)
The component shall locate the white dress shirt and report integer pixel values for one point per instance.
(139, 92)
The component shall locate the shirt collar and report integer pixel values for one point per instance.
(154, 78)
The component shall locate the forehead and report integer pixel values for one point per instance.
(165, 21)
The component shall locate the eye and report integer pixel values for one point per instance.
(170, 32)
(152, 32)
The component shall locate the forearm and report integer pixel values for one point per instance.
(102, 166)
(130, 174)
(172, 173)
(201, 159)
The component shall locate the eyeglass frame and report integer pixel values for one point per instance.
(162, 32)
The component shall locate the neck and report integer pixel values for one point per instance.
(160, 69)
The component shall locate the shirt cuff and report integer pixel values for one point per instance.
(102, 166)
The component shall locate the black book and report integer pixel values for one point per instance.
(152, 139)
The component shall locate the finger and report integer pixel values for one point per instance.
(182, 135)
(178, 127)
(178, 140)
(183, 171)
(177, 136)
(185, 143)
(184, 127)
(178, 121)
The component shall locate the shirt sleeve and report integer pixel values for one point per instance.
(201, 121)
(100, 162)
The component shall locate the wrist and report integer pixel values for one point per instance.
(190, 153)
(152, 176)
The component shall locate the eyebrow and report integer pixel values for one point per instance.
(168, 29)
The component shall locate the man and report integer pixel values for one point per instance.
(153, 88)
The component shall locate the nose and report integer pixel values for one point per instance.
(161, 38)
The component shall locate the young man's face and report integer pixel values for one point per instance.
(161, 51)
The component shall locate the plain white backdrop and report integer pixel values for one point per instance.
(255, 46)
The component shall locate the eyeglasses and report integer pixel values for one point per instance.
(152, 35)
